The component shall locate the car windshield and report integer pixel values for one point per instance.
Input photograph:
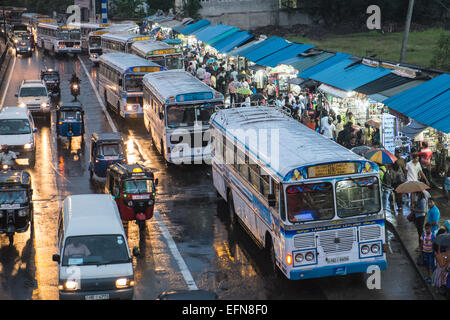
(186, 116)
(174, 62)
(110, 149)
(33, 92)
(133, 83)
(95, 250)
(310, 202)
(357, 196)
(71, 115)
(51, 77)
(14, 126)
(13, 196)
(138, 186)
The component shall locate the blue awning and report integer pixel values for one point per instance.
(289, 52)
(428, 103)
(179, 27)
(211, 32)
(195, 27)
(265, 48)
(339, 76)
(323, 65)
(235, 40)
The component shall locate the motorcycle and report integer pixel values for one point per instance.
(75, 89)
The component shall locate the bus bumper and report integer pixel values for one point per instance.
(336, 270)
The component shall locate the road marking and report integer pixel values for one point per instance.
(162, 226)
(7, 84)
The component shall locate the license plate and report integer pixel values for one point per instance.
(97, 297)
(338, 259)
(140, 197)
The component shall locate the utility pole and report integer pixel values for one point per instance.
(406, 34)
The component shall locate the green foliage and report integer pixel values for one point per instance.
(441, 59)
(127, 9)
(191, 8)
(164, 5)
(41, 6)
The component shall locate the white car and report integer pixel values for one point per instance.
(17, 131)
(34, 96)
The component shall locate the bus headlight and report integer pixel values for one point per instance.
(298, 257)
(44, 105)
(309, 256)
(71, 285)
(365, 249)
(375, 248)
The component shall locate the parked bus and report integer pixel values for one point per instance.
(177, 109)
(120, 82)
(160, 53)
(120, 42)
(58, 39)
(313, 204)
(95, 38)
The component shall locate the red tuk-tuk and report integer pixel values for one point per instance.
(132, 186)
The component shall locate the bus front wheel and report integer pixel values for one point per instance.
(271, 250)
(232, 213)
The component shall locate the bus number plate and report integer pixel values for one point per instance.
(338, 259)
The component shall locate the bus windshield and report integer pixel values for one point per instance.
(186, 116)
(63, 35)
(95, 41)
(310, 202)
(138, 186)
(75, 35)
(158, 60)
(133, 83)
(357, 197)
(174, 62)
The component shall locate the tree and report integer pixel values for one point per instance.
(128, 9)
(441, 59)
(164, 5)
(191, 8)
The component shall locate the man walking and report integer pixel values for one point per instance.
(433, 216)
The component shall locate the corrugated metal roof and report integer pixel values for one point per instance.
(228, 44)
(211, 32)
(339, 76)
(304, 63)
(268, 47)
(323, 65)
(291, 51)
(396, 90)
(195, 27)
(222, 36)
(389, 81)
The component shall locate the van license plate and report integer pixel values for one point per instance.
(97, 297)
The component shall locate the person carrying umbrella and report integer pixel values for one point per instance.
(414, 171)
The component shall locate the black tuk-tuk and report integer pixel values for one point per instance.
(16, 207)
(51, 80)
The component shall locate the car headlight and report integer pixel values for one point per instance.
(28, 145)
(22, 105)
(375, 248)
(365, 249)
(150, 202)
(309, 256)
(130, 203)
(44, 105)
(298, 257)
(22, 213)
(71, 285)
(124, 283)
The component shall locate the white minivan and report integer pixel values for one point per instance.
(94, 261)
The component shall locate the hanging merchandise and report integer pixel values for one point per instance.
(388, 124)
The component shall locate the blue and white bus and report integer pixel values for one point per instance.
(58, 39)
(177, 110)
(120, 82)
(160, 53)
(313, 204)
(120, 42)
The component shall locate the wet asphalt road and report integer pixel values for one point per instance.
(219, 259)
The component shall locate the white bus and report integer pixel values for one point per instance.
(313, 204)
(58, 39)
(177, 109)
(95, 38)
(86, 29)
(160, 53)
(120, 82)
(120, 42)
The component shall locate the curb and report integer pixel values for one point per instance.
(413, 262)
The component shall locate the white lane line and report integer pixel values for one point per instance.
(162, 226)
(7, 84)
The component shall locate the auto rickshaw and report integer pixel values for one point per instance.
(70, 120)
(132, 186)
(16, 207)
(51, 80)
(106, 149)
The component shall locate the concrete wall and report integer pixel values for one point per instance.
(248, 14)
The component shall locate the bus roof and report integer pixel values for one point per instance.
(89, 25)
(124, 37)
(91, 214)
(171, 84)
(125, 62)
(117, 28)
(147, 46)
(296, 145)
(53, 26)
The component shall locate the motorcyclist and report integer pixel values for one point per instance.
(74, 79)
(7, 156)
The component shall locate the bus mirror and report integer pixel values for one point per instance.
(271, 200)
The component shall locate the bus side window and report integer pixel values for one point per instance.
(264, 183)
(243, 168)
(254, 176)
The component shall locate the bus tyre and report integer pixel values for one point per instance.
(232, 213)
(32, 161)
(271, 251)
